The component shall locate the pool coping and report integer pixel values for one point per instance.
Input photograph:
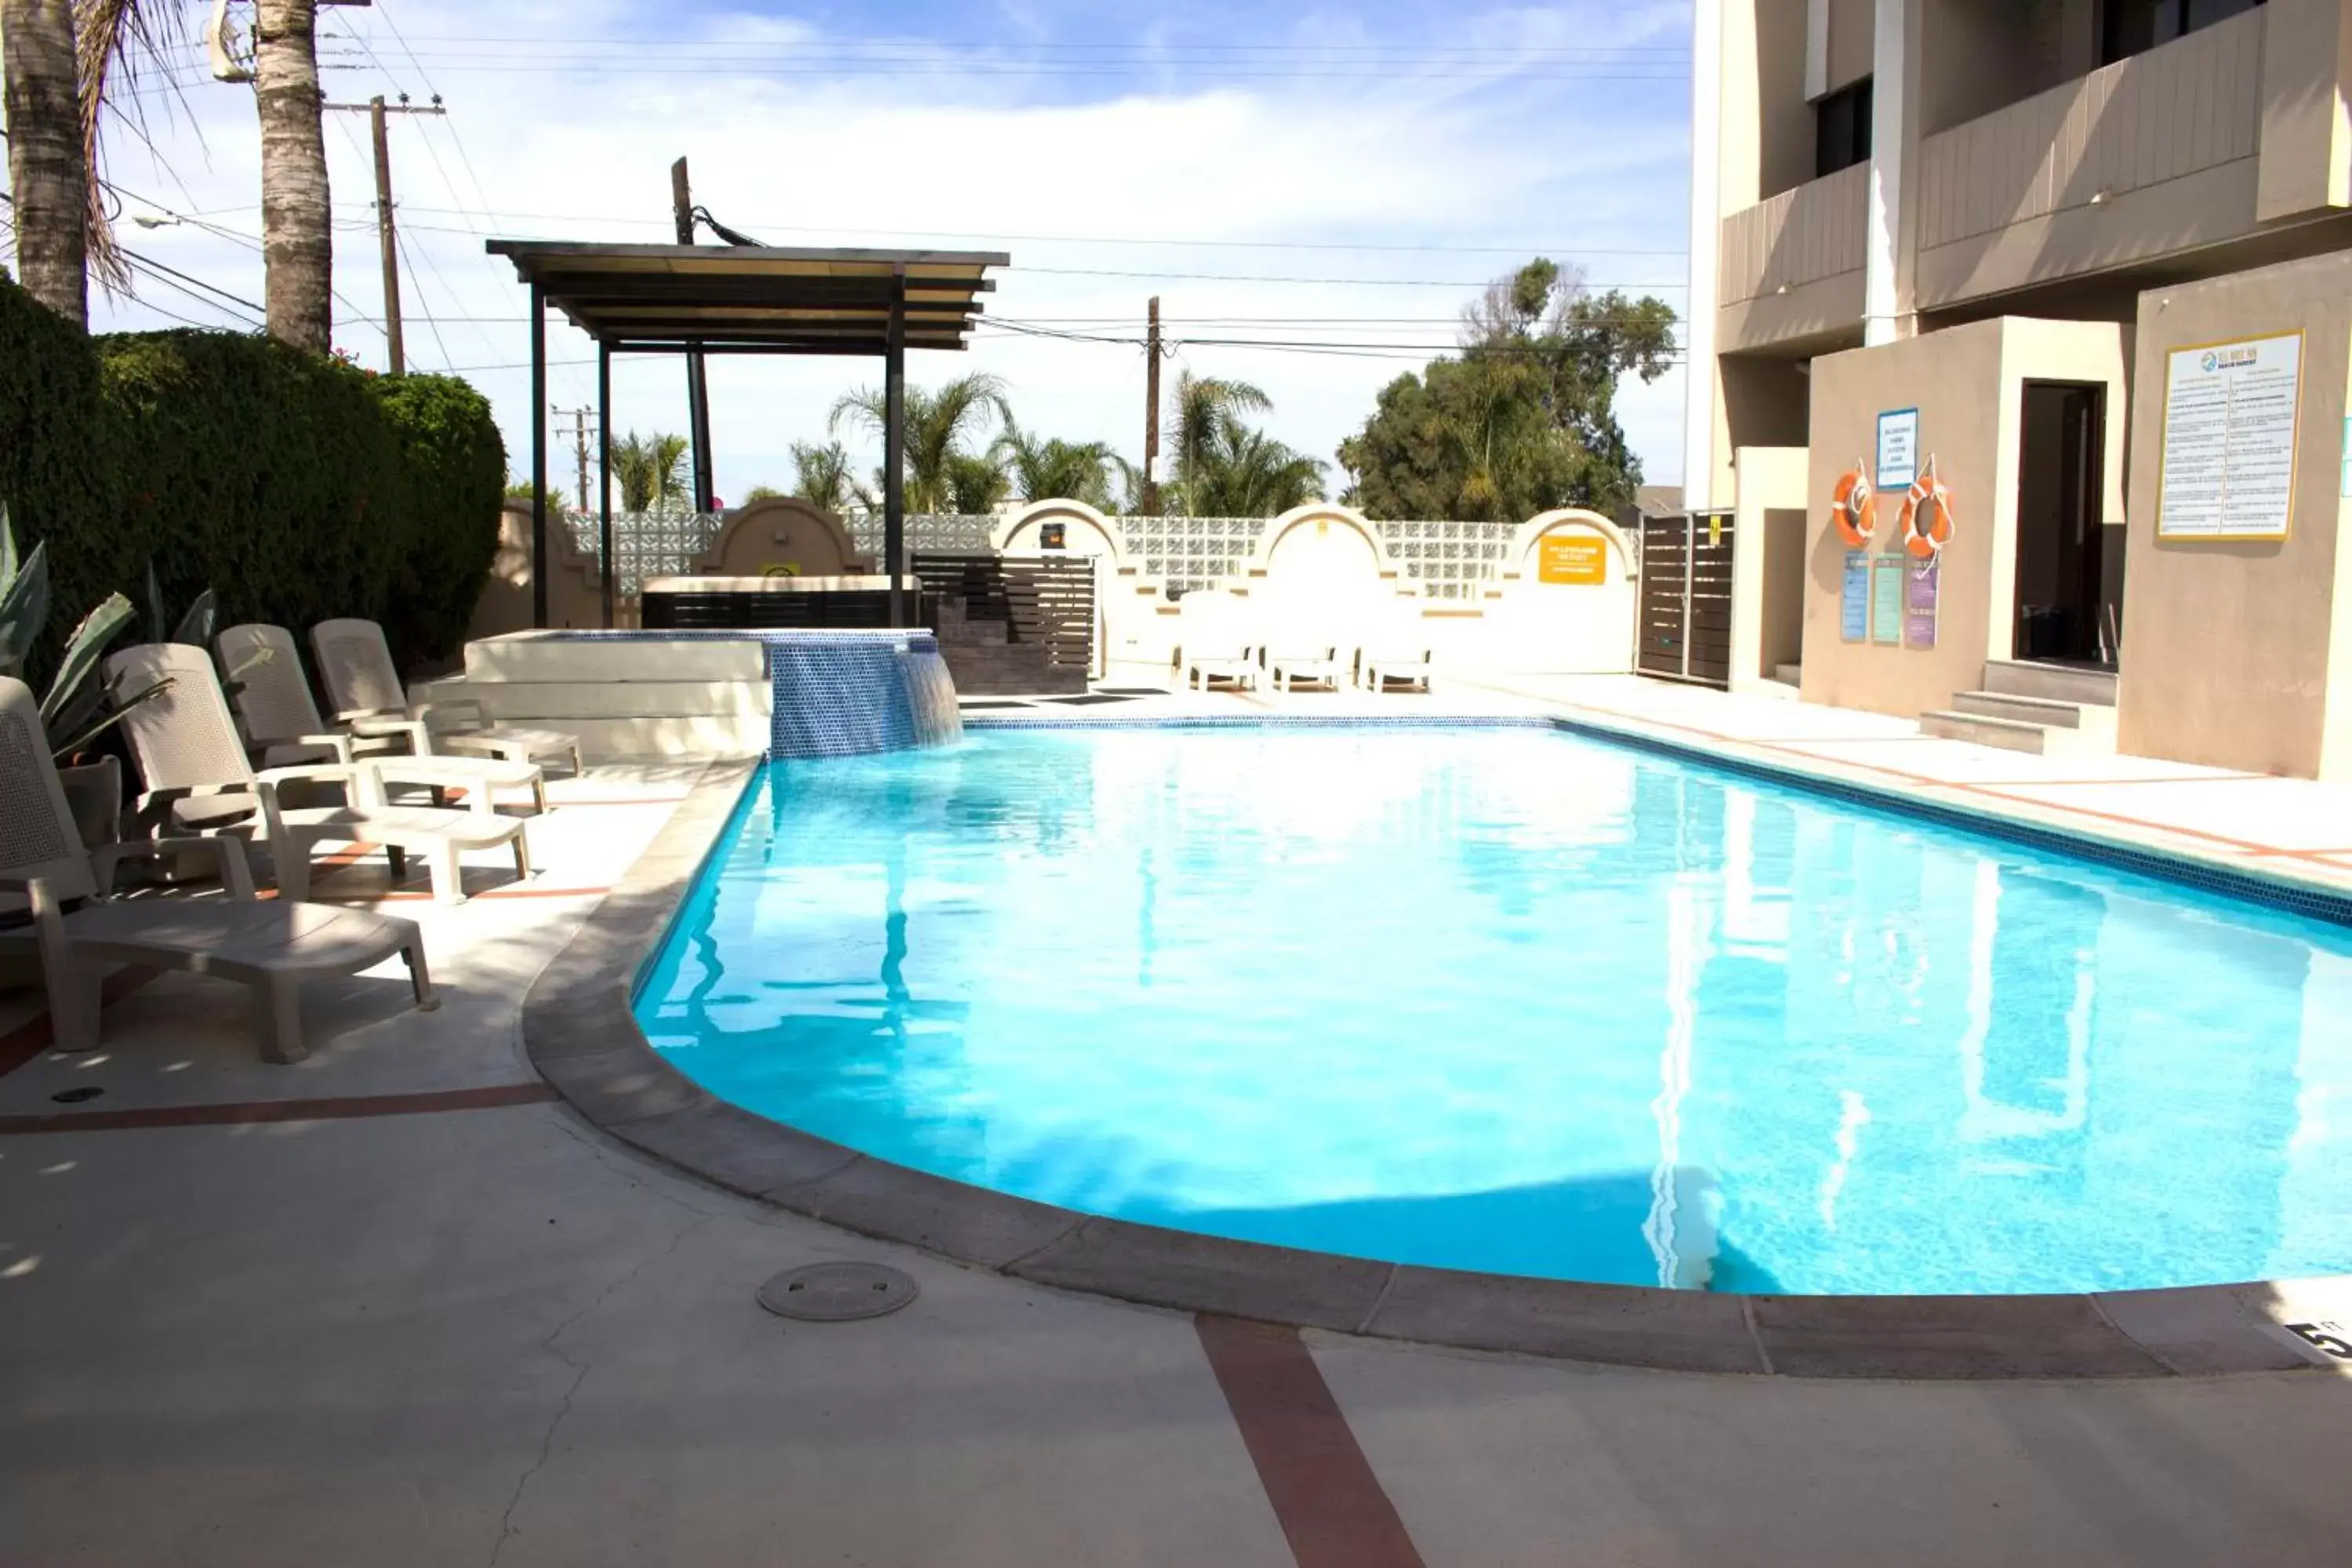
(582, 1035)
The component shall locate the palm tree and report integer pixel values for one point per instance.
(1249, 474)
(1223, 468)
(1205, 419)
(821, 476)
(1056, 469)
(976, 484)
(46, 173)
(651, 470)
(936, 425)
(297, 245)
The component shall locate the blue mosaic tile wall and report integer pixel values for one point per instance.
(841, 693)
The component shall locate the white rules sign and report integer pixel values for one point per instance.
(2229, 424)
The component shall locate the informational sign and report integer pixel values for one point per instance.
(2230, 420)
(1053, 536)
(781, 569)
(1886, 599)
(1922, 587)
(1854, 599)
(1898, 448)
(1577, 558)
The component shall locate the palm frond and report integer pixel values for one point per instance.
(116, 43)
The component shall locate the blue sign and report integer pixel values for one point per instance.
(1853, 603)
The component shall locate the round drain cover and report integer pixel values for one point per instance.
(837, 1292)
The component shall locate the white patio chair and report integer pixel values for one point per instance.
(282, 724)
(1296, 640)
(1396, 649)
(197, 776)
(1214, 646)
(78, 932)
(355, 664)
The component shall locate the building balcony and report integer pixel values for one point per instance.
(1791, 268)
(2146, 157)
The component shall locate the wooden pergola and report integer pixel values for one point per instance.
(698, 301)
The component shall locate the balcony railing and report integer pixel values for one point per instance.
(2191, 105)
(1797, 237)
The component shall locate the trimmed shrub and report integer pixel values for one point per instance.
(56, 475)
(457, 465)
(297, 488)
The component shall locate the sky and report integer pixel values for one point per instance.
(1340, 179)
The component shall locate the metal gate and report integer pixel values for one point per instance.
(1686, 627)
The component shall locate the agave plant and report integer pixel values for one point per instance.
(75, 705)
(194, 627)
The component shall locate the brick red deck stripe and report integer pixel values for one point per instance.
(253, 1112)
(1330, 1503)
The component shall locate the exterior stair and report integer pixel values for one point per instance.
(2047, 709)
(984, 661)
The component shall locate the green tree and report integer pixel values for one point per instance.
(941, 426)
(650, 469)
(976, 483)
(1525, 418)
(821, 476)
(1223, 468)
(1053, 469)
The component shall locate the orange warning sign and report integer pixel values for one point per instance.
(1572, 558)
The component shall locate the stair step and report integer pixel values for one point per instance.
(2054, 682)
(2041, 710)
(1789, 674)
(2009, 734)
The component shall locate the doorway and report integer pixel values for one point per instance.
(2069, 577)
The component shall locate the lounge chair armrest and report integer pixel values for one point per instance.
(317, 773)
(365, 721)
(154, 807)
(467, 714)
(339, 746)
(387, 726)
(236, 871)
(420, 770)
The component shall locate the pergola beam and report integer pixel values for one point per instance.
(704, 300)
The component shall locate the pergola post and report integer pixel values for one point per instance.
(538, 454)
(605, 473)
(893, 452)
(697, 425)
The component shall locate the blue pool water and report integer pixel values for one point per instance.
(1521, 1001)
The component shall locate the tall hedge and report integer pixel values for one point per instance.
(297, 488)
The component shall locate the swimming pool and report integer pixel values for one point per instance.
(1521, 1001)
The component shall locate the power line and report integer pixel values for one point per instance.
(1151, 241)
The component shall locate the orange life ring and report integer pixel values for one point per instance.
(1854, 507)
(1927, 514)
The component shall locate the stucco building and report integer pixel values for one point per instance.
(2080, 268)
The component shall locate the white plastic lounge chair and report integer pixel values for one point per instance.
(1396, 650)
(365, 685)
(1214, 647)
(78, 935)
(1287, 664)
(282, 724)
(198, 777)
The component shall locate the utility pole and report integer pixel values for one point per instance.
(697, 385)
(579, 417)
(1151, 415)
(376, 109)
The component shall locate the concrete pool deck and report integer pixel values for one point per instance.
(394, 1306)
